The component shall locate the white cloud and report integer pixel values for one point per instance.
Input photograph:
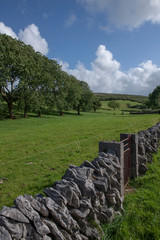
(31, 35)
(71, 20)
(105, 75)
(125, 13)
(7, 30)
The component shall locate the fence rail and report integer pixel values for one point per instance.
(127, 158)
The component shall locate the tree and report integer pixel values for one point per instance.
(14, 68)
(26, 87)
(61, 92)
(74, 92)
(128, 105)
(85, 100)
(154, 98)
(113, 104)
(96, 103)
(57, 89)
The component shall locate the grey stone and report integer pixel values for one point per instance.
(101, 186)
(14, 214)
(88, 231)
(102, 198)
(98, 168)
(66, 235)
(109, 168)
(111, 198)
(39, 207)
(61, 215)
(109, 212)
(142, 159)
(15, 229)
(88, 164)
(56, 196)
(70, 191)
(100, 183)
(83, 178)
(84, 237)
(119, 200)
(102, 217)
(85, 203)
(41, 228)
(55, 232)
(4, 234)
(33, 235)
(76, 236)
(115, 183)
(78, 214)
(25, 207)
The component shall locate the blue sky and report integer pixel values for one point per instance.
(113, 45)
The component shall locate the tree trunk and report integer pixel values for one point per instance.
(61, 113)
(10, 108)
(39, 113)
(25, 113)
(78, 110)
(25, 110)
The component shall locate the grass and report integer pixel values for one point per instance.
(36, 152)
(141, 219)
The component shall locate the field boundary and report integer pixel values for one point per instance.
(86, 196)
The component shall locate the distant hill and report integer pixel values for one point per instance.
(111, 96)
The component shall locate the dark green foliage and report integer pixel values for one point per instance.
(36, 82)
(96, 103)
(84, 102)
(113, 104)
(128, 105)
(154, 98)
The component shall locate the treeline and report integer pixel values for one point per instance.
(111, 96)
(31, 81)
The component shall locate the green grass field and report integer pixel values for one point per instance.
(36, 152)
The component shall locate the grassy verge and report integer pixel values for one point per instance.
(36, 152)
(142, 209)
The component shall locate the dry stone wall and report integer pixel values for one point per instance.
(73, 207)
(148, 143)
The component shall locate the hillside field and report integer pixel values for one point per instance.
(35, 152)
(112, 96)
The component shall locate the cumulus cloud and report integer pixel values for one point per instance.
(70, 20)
(130, 14)
(31, 35)
(106, 76)
(7, 30)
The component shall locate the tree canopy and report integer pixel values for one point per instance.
(154, 98)
(33, 81)
(113, 104)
